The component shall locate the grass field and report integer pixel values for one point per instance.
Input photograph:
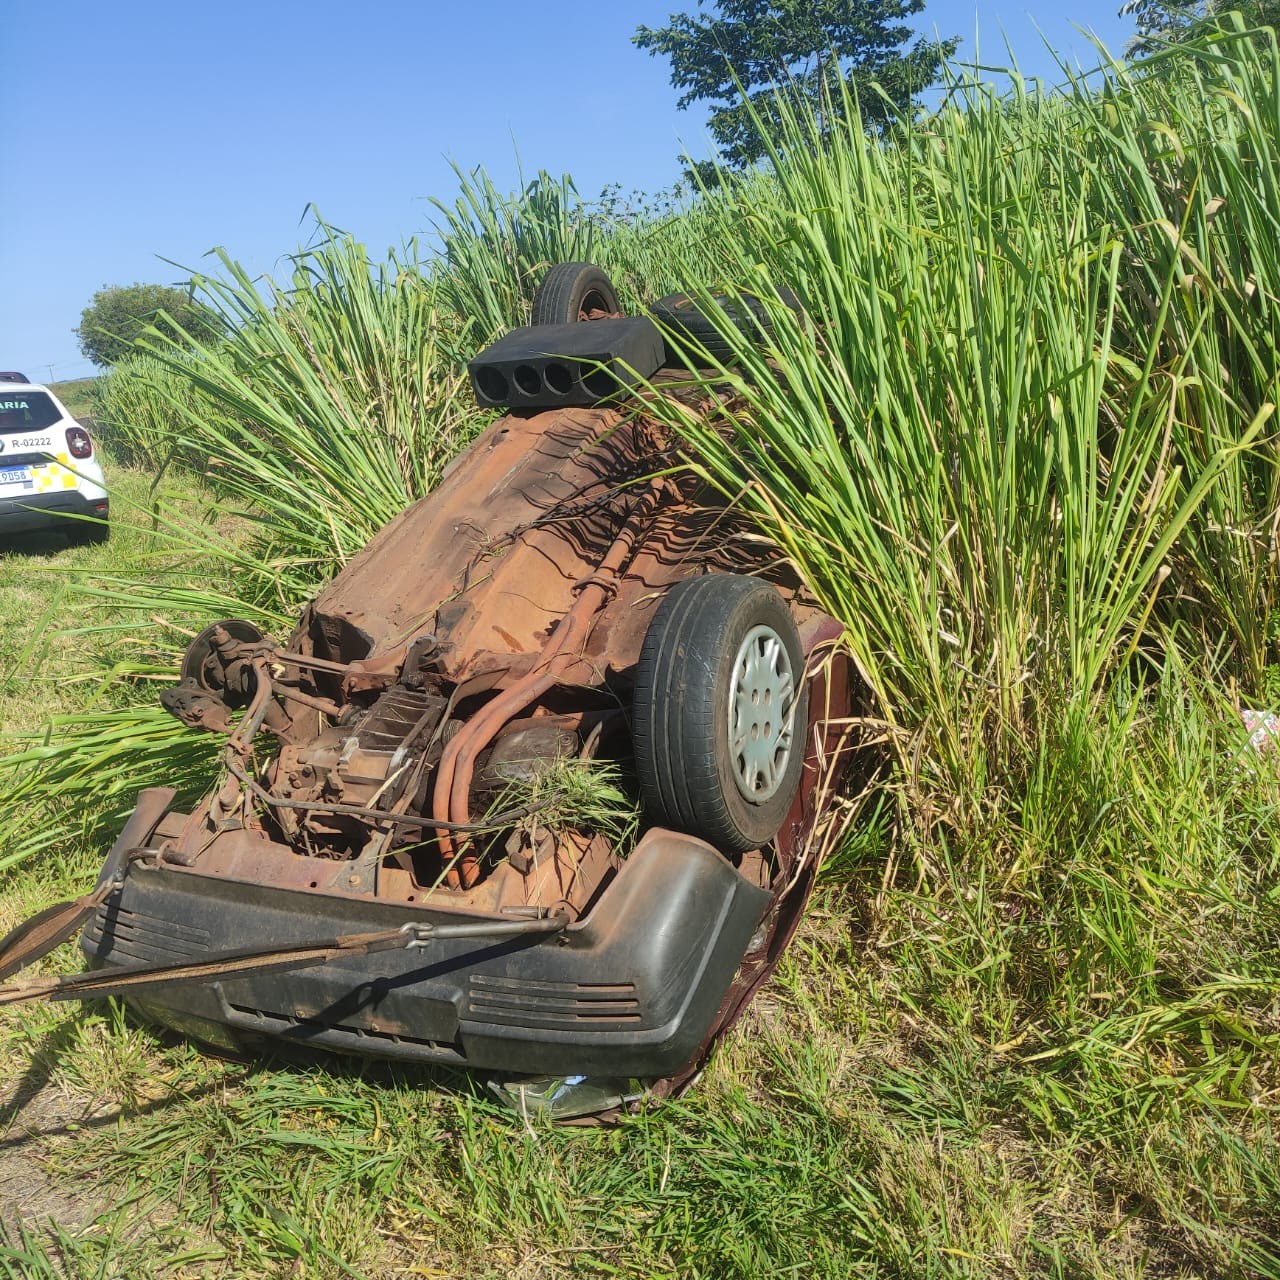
(77, 395)
(1022, 444)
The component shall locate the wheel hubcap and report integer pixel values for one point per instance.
(761, 709)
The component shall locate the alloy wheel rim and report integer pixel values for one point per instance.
(761, 714)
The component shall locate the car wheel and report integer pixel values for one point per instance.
(571, 291)
(684, 318)
(720, 711)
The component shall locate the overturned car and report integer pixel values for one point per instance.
(384, 868)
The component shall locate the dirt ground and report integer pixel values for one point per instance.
(40, 1125)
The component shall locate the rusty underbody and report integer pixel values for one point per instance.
(382, 768)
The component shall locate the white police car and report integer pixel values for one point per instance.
(48, 466)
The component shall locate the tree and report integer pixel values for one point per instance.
(1162, 22)
(807, 46)
(117, 315)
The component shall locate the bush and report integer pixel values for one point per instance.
(117, 316)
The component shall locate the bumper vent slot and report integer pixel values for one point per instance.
(582, 1006)
(119, 934)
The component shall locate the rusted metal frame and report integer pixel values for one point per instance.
(492, 823)
(215, 805)
(378, 844)
(305, 660)
(560, 651)
(326, 706)
(259, 710)
(238, 746)
(575, 505)
(460, 758)
(241, 741)
(457, 765)
(441, 718)
(268, 650)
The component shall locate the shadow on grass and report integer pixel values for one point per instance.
(45, 1059)
(38, 543)
(257, 1061)
(296, 1058)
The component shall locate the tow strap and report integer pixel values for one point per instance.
(114, 979)
(35, 938)
(223, 964)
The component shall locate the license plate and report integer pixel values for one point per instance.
(16, 475)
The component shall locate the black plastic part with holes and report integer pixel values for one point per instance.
(629, 990)
(547, 366)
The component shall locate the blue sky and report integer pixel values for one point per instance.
(140, 131)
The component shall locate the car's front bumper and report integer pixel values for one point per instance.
(632, 989)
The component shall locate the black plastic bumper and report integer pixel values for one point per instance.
(630, 990)
(45, 511)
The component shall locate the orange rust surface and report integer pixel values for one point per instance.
(567, 878)
(453, 782)
(490, 561)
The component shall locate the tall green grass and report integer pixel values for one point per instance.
(134, 415)
(1187, 163)
(1022, 443)
(495, 248)
(331, 405)
(985, 446)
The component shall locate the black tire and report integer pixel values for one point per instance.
(682, 315)
(690, 665)
(570, 291)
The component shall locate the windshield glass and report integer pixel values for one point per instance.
(27, 410)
